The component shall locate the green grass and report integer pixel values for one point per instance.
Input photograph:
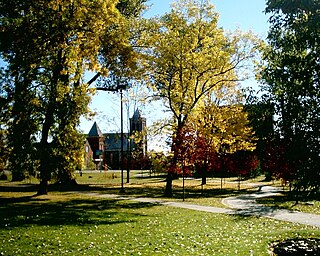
(67, 223)
(64, 223)
(210, 194)
(153, 186)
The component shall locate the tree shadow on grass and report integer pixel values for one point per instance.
(256, 211)
(147, 190)
(138, 191)
(197, 193)
(26, 211)
(12, 187)
(147, 176)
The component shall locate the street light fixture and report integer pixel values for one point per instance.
(118, 88)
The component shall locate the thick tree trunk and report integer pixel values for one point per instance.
(175, 146)
(45, 172)
(43, 187)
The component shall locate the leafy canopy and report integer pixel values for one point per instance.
(291, 75)
(190, 58)
(64, 40)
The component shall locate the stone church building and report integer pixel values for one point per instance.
(103, 150)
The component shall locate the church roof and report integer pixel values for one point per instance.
(95, 131)
(137, 114)
(113, 141)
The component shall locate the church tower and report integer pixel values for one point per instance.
(138, 125)
(96, 142)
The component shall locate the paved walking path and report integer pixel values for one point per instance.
(247, 205)
(242, 205)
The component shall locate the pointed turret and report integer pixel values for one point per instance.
(95, 131)
(95, 139)
(138, 125)
(137, 114)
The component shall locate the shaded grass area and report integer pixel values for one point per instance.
(64, 223)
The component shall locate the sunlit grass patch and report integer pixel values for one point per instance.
(153, 186)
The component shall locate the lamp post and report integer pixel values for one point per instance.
(119, 89)
(121, 117)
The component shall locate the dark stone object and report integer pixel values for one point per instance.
(297, 247)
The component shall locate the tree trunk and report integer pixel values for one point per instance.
(168, 190)
(175, 146)
(43, 187)
(204, 180)
(45, 172)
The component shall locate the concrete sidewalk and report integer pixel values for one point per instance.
(247, 205)
(242, 205)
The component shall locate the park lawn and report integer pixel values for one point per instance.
(143, 185)
(210, 194)
(65, 223)
(153, 186)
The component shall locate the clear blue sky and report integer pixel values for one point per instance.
(243, 14)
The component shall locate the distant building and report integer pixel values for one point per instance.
(105, 149)
(95, 140)
(138, 125)
(88, 156)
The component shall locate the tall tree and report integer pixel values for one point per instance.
(190, 56)
(65, 39)
(291, 75)
(5, 92)
(261, 115)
